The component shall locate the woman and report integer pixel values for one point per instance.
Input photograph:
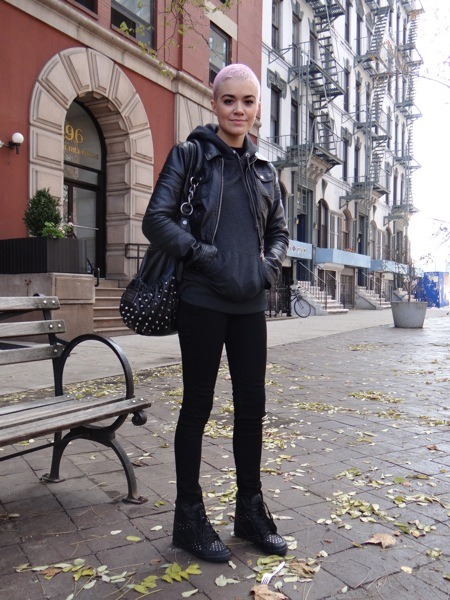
(234, 253)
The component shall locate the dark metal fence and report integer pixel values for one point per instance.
(279, 301)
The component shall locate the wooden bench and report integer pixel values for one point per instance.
(79, 418)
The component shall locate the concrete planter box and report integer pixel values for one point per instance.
(409, 315)
(42, 255)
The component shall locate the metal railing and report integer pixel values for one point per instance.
(322, 287)
(134, 251)
(382, 289)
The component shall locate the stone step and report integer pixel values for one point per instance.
(108, 292)
(107, 311)
(107, 302)
(107, 319)
(107, 283)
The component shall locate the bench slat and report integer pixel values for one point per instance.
(28, 303)
(31, 328)
(53, 401)
(29, 353)
(65, 406)
(60, 422)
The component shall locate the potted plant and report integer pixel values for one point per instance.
(409, 312)
(42, 211)
(52, 245)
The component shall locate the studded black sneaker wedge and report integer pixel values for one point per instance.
(193, 532)
(253, 522)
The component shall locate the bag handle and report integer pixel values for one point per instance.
(186, 208)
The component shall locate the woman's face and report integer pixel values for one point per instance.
(236, 107)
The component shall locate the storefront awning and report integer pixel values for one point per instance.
(299, 250)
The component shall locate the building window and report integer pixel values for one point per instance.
(335, 231)
(275, 100)
(311, 128)
(296, 38)
(136, 18)
(313, 44)
(346, 90)
(396, 140)
(294, 123)
(89, 4)
(276, 24)
(219, 51)
(359, 23)
(322, 241)
(358, 102)
(356, 164)
(394, 189)
(345, 158)
(389, 128)
(347, 233)
(347, 21)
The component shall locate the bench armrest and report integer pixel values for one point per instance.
(60, 362)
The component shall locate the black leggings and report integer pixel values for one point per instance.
(203, 334)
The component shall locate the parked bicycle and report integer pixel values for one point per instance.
(301, 306)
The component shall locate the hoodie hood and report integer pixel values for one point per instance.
(207, 135)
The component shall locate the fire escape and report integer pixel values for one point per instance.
(322, 77)
(316, 69)
(378, 63)
(408, 63)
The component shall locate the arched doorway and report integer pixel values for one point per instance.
(102, 89)
(84, 184)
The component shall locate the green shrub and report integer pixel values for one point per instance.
(42, 210)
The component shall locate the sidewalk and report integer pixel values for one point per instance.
(355, 449)
(148, 352)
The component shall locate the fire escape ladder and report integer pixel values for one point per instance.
(375, 61)
(408, 64)
(372, 59)
(324, 78)
(376, 130)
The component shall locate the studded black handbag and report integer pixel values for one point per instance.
(149, 304)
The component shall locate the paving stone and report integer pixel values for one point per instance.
(318, 447)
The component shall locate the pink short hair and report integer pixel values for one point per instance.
(234, 71)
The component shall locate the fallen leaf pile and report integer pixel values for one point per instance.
(89, 576)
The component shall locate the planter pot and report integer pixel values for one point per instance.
(409, 315)
(42, 255)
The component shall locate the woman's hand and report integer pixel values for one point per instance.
(201, 256)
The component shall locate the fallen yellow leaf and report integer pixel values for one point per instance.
(382, 538)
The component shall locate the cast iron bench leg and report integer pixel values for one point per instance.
(101, 435)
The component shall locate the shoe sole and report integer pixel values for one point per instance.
(243, 536)
(214, 559)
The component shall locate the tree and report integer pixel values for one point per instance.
(179, 18)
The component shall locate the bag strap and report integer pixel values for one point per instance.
(192, 181)
(190, 185)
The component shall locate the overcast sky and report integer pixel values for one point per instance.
(431, 183)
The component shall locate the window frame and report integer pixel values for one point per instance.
(214, 69)
(136, 22)
(275, 113)
(276, 25)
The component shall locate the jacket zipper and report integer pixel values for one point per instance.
(222, 162)
(253, 204)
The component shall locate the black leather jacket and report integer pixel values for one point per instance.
(160, 224)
